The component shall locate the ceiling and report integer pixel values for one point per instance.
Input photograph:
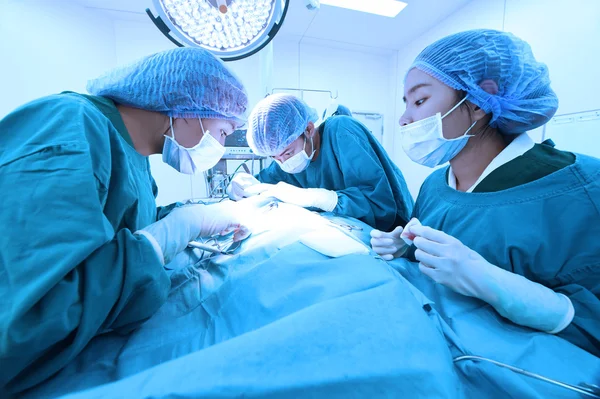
(331, 24)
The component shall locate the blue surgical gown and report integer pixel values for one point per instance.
(547, 230)
(370, 187)
(74, 191)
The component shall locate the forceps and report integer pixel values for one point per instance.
(205, 247)
(346, 226)
(217, 244)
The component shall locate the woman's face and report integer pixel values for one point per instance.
(188, 131)
(425, 96)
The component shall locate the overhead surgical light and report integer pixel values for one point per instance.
(230, 29)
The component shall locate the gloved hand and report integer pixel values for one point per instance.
(388, 245)
(240, 184)
(325, 200)
(171, 235)
(449, 262)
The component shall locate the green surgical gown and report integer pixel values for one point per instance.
(537, 216)
(74, 191)
(370, 187)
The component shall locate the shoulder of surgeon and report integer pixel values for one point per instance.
(434, 177)
(342, 126)
(60, 125)
(588, 168)
(53, 121)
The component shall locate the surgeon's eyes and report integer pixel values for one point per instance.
(419, 102)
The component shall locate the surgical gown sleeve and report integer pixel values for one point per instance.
(374, 190)
(584, 330)
(67, 271)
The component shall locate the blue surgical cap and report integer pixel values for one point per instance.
(276, 122)
(524, 99)
(187, 82)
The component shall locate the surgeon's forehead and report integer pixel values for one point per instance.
(416, 77)
(416, 80)
(289, 147)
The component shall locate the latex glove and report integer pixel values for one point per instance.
(171, 235)
(395, 243)
(258, 189)
(449, 262)
(240, 186)
(325, 200)
(388, 245)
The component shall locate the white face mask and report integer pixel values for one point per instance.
(424, 142)
(299, 161)
(199, 158)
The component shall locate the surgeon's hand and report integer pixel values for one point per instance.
(325, 200)
(388, 245)
(172, 234)
(448, 261)
(220, 218)
(244, 185)
(451, 263)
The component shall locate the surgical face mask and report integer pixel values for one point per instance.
(424, 142)
(299, 161)
(199, 158)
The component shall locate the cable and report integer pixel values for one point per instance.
(225, 182)
(578, 389)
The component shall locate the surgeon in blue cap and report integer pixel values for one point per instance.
(84, 250)
(513, 223)
(337, 166)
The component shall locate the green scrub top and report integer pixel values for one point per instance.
(537, 216)
(74, 191)
(540, 161)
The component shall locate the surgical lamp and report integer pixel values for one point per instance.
(230, 29)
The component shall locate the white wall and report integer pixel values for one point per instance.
(363, 77)
(49, 47)
(571, 53)
(566, 36)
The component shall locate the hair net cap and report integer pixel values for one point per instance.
(276, 122)
(521, 100)
(187, 82)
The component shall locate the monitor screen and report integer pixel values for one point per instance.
(237, 139)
